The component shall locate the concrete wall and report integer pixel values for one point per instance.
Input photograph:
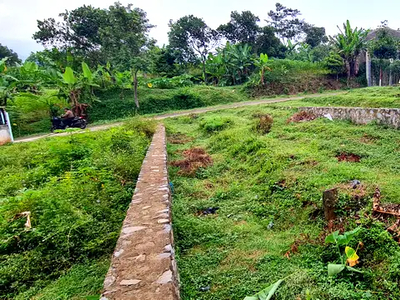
(359, 115)
(143, 265)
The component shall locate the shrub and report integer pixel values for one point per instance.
(77, 189)
(212, 124)
(264, 124)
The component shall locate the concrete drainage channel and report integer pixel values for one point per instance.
(143, 265)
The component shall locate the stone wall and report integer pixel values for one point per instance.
(359, 115)
(143, 265)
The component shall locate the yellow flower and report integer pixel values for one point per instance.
(149, 85)
(14, 124)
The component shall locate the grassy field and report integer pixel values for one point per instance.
(254, 215)
(386, 97)
(74, 190)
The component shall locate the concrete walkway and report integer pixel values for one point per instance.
(184, 113)
(143, 264)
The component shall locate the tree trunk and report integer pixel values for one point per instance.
(204, 71)
(135, 86)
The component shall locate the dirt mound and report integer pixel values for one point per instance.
(349, 157)
(302, 116)
(195, 158)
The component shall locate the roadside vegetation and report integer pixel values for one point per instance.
(384, 97)
(105, 73)
(248, 210)
(62, 203)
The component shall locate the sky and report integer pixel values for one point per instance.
(18, 17)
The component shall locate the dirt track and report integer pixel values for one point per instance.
(184, 113)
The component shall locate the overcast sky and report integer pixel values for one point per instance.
(18, 17)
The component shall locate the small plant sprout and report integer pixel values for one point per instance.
(350, 257)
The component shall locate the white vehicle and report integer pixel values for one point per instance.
(5, 128)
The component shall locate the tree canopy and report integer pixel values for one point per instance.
(12, 57)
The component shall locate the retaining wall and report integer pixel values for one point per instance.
(359, 115)
(143, 265)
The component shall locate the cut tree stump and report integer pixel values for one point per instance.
(329, 200)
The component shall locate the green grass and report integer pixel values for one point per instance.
(77, 189)
(385, 97)
(268, 189)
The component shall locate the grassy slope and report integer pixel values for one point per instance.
(77, 189)
(386, 97)
(234, 253)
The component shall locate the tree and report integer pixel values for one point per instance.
(10, 54)
(125, 40)
(193, 38)
(334, 63)
(231, 65)
(242, 28)
(164, 62)
(78, 29)
(349, 44)
(269, 44)
(286, 22)
(315, 35)
(384, 47)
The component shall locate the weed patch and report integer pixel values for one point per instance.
(268, 190)
(62, 205)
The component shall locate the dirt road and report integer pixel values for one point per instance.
(183, 113)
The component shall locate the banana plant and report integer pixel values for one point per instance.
(261, 63)
(7, 83)
(78, 88)
(350, 257)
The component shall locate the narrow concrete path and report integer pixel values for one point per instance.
(143, 264)
(183, 113)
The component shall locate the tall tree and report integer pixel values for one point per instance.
(125, 40)
(315, 35)
(192, 37)
(286, 22)
(242, 28)
(78, 32)
(12, 57)
(268, 43)
(349, 44)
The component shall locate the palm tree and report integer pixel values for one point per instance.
(349, 44)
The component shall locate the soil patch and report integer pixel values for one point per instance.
(349, 157)
(195, 158)
(179, 139)
(301, 116)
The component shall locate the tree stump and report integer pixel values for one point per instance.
(329, 200)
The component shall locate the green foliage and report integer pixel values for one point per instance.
(231, 65)
(76, 189)
(192, 38)
(349, 43)
(170, 83)
(8, 53)
(349, 257)
(116, 104)
(267, 293)
(212, 124)
(268, 190)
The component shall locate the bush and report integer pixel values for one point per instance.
(264, 124)
(77, 190)
(212, 124)
(116, 104)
